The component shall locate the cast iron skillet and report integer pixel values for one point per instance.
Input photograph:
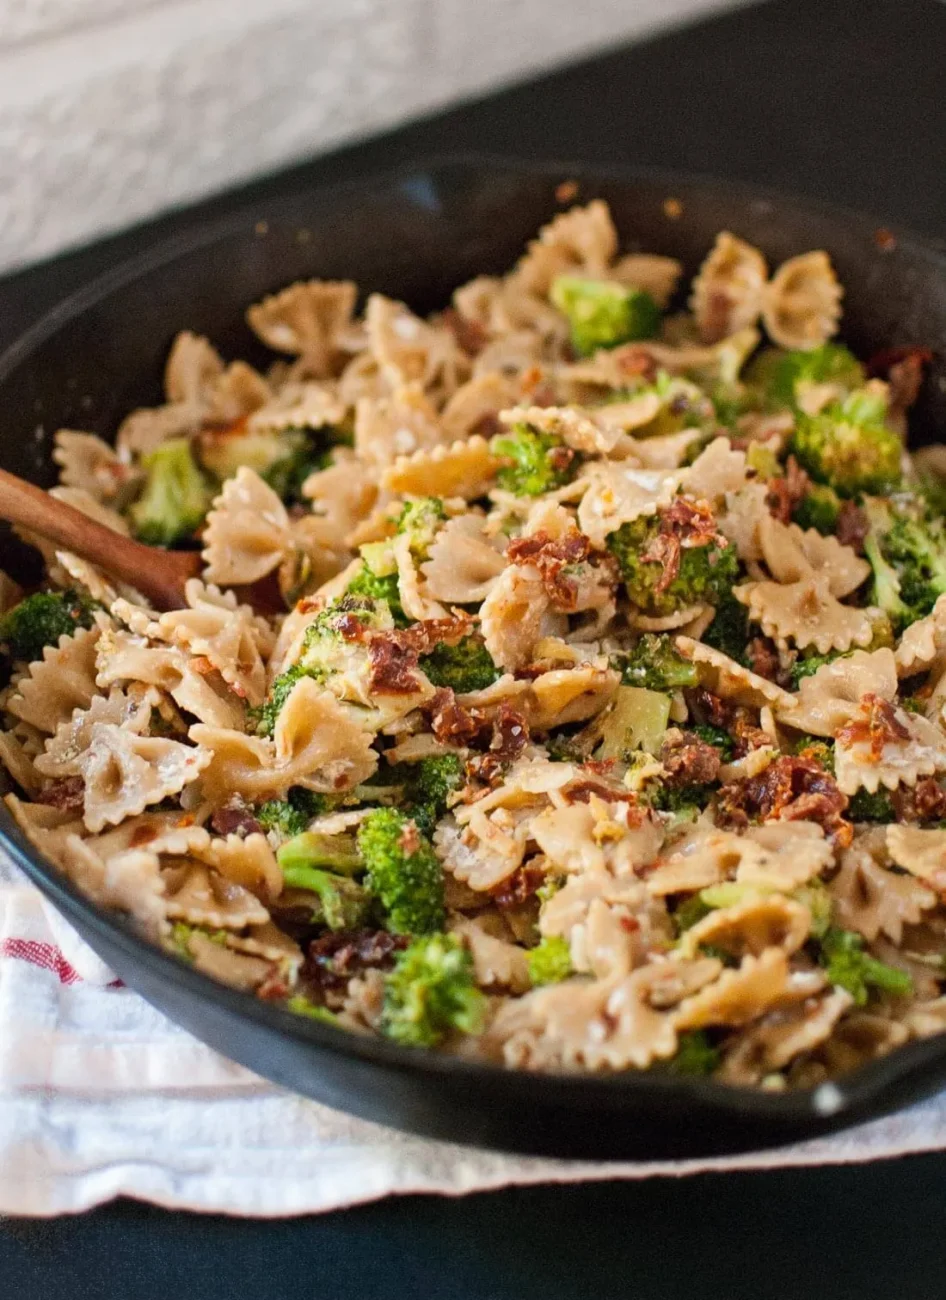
(415, 234)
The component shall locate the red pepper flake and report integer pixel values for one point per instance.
(885, 239)
(672, 209)
(878, 726)
(566, 192)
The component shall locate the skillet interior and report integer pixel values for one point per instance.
(415, 235)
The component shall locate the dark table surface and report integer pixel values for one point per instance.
(840, 99)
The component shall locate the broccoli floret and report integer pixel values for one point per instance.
(656, 665)
(849, 447)
(421, 520)
(262, 718)
(375, 587)
(866, 807)
(431, 781)
(695, 1054)
(324, 865)
(689, 912)
(175, 497)
(816, 898)
(432, 991)
(403, 872)
(788, 372)
(603, 314)
(287, 474)
(466, 666)
(729, 630)
(534, 462)
(290, 816)
(41, 620)
(325, 647)
(684, 800)
(807, 664)
(550, 961)
(717, 737)
(819, 508)
(906, 547)
(705, 574)
(849, 967)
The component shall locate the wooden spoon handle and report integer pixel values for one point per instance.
(160, 575)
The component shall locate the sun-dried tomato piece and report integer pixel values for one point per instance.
(785, 494)
(852, 526)
(66, 793)
(878, 726)
(791, 788)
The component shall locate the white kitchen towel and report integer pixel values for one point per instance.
(101, 1096)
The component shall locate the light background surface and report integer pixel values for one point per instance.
(114, 110)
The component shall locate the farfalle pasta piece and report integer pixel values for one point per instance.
(410, 351)
(464, 469)
(915, 748)
(129, 882)
(778, 1039)
(806, 614)
(123, 657)
(199, 895)
(801, 304)
(63, 751)
(487, 849)
(342, 495)
(475, 405)
(239, 970)
(617, 494)
(124, 773)
(498, 964)
(581, 239)
(63, 680)
(831, 697)
(144, 430)
(395, 426)
(574, 694)
(923, 644)
(727, 291)
(921, 852)
(229, 636)
(18, 763)
(236, 393)
(416, 600)
(657, 276)
(738, 996)
(513, 614)
(773, 856)
(192, 367)
(719, 469)
(315, 743)
(88, 463)
(308, 320)
(465, 560)
(597, 836)
(751, 927)
(792, 554)
(314, 404)
(728, 679)
(742, 518)
(247, 532)
(872, 900)
(248, 861)
(579, 429)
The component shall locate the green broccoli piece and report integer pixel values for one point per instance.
(430, 783)
(175, 498)
(849, 967)
(431, 992)
(466, 666)
(655, 664)
(373, 587)
(685, 800)
(689, 912)
(849, 447)
(717, 737)
(906, 547)
(290, 816)
(534, 462)
(832, 363)
(178, 941)
(312, 849)
(807, 664)
(327, 644)
(421, 520)
(866, 807)
(41, 619)
(262, 718)
(403, 872)
(729, 630)
(820, 904)
(706, 573)
(819, 508)
(303, 457)
(603, 314)
(817, 750)
(695, 1055)
(550, 961)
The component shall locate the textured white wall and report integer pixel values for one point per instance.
(112, 110)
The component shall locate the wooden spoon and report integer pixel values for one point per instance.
(159, 575)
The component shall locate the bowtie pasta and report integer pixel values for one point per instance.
(603, 727)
